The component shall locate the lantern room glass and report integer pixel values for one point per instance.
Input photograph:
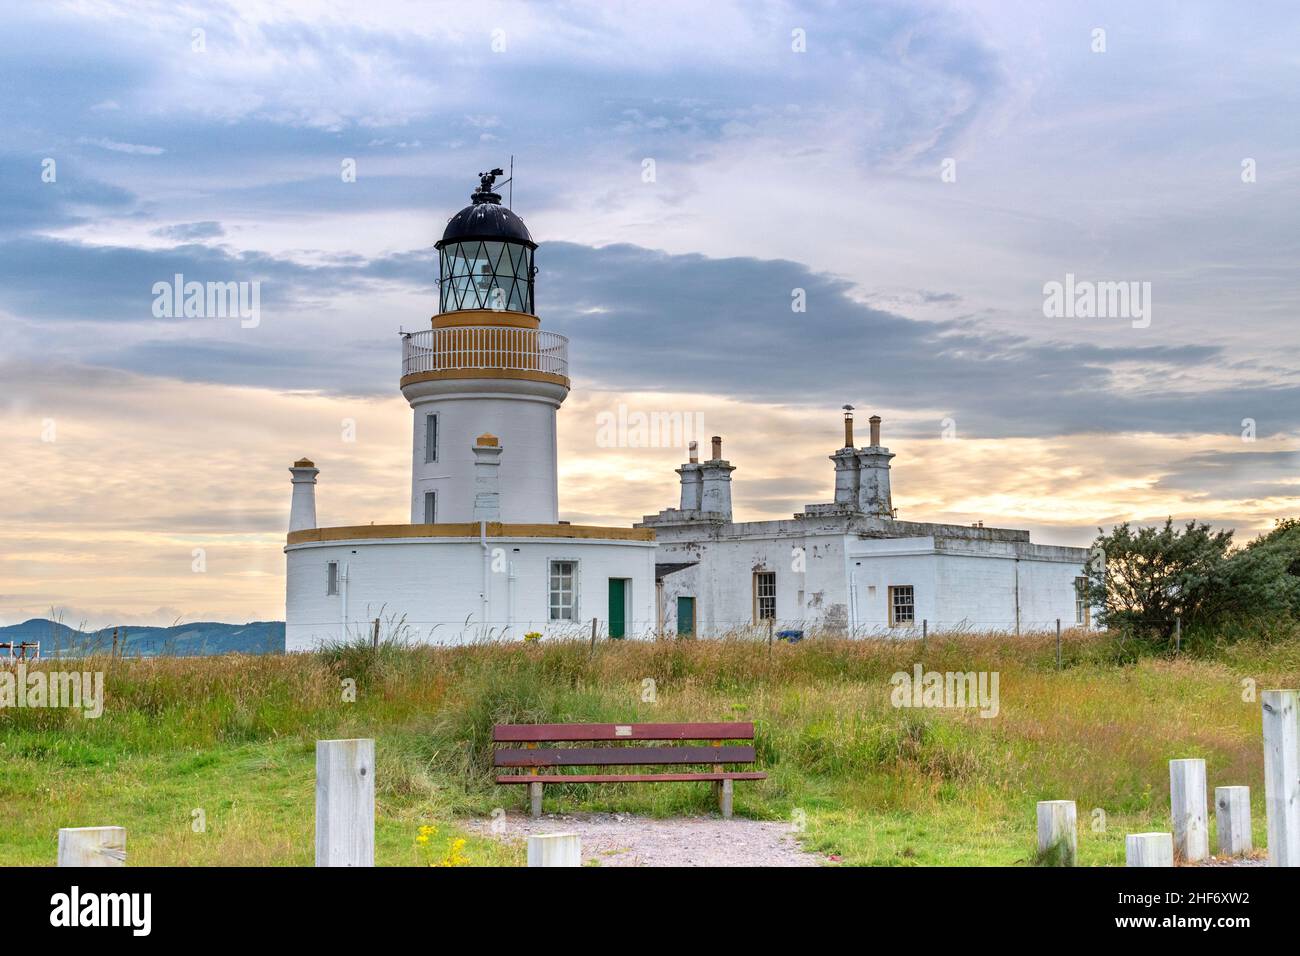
(486, 274)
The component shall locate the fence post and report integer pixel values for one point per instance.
(1178, 634)
(375, 637)
(1058, 643)
(92, 846)
(1149, 849)
(555, 849)
(925, 632)
(1058, 832)
(345, 803)
(1191, 818)
(1281, 786)
(1232, 813)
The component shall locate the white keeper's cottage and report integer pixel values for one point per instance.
(486, 554)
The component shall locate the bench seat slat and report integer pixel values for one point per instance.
(557, 733)
(620, 756)
(627, 777)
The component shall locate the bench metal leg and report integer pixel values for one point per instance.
(724, 788)
(535, 799)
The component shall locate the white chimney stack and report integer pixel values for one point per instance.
(715, 474)
(302, 510)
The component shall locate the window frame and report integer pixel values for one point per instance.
(331, 578)
(759, 597)
(574, 591)
(431, 453)
(431, 513)
(894, 620)
(1082, 610)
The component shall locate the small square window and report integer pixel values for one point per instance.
(902, 605)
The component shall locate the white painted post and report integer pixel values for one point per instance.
(1149, 849)
(92, 846)
(1281, 777)
(345, 803)
(1058, 827)
(1191, 817)
(1232, 813)
(726, 789)
(555, 849)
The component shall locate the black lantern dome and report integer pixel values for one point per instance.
(485, 256)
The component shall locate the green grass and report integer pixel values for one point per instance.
(234, 737)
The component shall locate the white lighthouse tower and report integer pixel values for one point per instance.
(486, 367)
(486, 555)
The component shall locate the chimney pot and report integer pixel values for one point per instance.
(717, 448)
(875, 429)
(695, 452)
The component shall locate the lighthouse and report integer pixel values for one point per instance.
(485, 367)
(485, 555)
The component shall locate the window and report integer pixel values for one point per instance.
(431, 507)
(431, 437)
(332, 578)
(564, 603)
(478, 274)
(902, 605)
(1082, 613)
(764, 595)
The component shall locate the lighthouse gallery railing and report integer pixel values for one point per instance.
(485, 347)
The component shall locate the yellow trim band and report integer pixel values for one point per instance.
(469, 529)
(470, 317)
(456, 373)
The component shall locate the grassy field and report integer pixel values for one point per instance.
(233, 737)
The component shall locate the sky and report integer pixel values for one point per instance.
(748, 213)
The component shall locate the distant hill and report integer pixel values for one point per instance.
(182, 640)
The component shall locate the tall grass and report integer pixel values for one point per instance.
(876, 783)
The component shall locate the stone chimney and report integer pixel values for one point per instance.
(846, 466)
(692, 486)
(715, 474)
(873, 476)
(302, 509)
(487, 483)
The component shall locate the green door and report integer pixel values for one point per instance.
(617, 607)
(685, 616)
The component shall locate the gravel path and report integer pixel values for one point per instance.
(617, 839)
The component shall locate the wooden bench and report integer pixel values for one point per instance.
(529, 758)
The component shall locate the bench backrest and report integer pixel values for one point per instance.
(716, 752)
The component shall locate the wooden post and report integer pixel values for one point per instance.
(1281, 777)
(535, 799)
(925, 632)
(593, 634)
(345, 803)
(555, 849)
(1178, 634)
(92, 846)
(1149, 849)
(1232, 814)
(375, 636)
(1058, 643)
(1058, 832)
(1191, 818)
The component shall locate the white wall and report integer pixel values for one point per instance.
(520, 413)
(437, 585)
(723, 584)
